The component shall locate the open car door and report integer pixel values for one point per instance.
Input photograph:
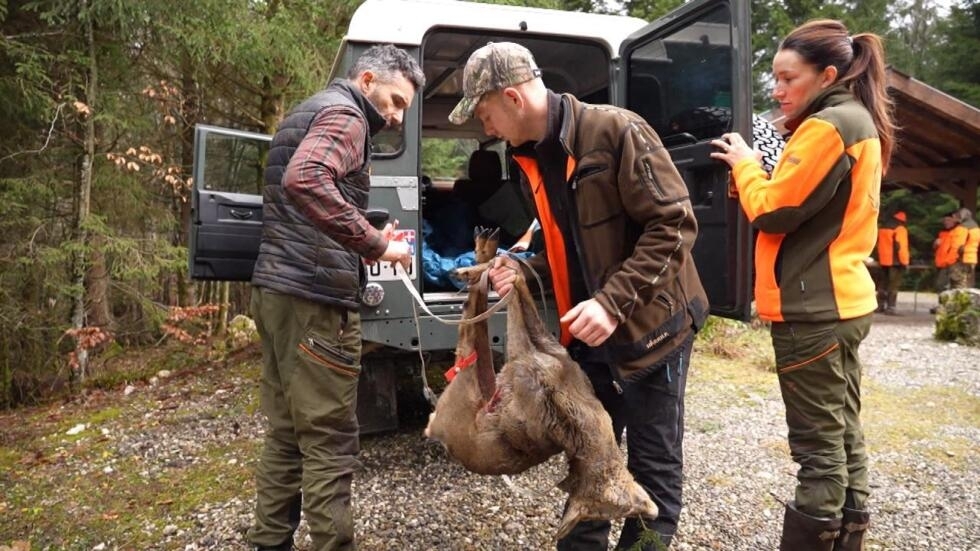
(226, 203)
(689, 75)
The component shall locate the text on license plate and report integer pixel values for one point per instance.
(383, 270)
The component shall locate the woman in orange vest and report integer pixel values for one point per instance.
(893, 256)
(816, 219)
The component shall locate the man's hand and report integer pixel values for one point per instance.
(389, 230)
(397, 251)
(503, 274)
(590, 322)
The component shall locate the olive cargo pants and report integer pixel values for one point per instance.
(311, 362)
(959, 275)
(820, 379)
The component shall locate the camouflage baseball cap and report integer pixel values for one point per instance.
(493, 67)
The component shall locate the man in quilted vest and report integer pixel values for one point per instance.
(306, 292)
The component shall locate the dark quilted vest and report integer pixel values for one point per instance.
(296, 258)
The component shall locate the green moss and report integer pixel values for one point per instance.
(958, 318)
(735, 340)
(121, 506)
(730, 382)
(104, 415)
(918, 421)
(8, 458)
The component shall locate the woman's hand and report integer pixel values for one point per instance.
(732, 149)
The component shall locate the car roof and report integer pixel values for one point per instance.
(406, 22)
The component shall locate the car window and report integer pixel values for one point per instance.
(682, 83)
(446, 158)
(234, 164)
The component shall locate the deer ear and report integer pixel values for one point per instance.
(575, 513)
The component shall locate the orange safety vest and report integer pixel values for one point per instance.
(957, 243)
(554, 241)
(972, 242)
(942, 251)
(893, 245)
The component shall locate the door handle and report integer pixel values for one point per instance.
(240, 214)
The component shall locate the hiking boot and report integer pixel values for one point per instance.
(853, 526)
(801, 532)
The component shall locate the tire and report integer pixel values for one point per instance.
(766, 139)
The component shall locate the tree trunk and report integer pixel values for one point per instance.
(191, 112)
(222, 322)
(84, 192)
(97, 286)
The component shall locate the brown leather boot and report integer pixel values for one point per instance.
(801, 532)
(853, 526)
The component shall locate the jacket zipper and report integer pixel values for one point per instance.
(590, 285)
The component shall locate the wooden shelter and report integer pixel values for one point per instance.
(938, 142)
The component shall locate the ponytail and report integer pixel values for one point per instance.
(867, 80)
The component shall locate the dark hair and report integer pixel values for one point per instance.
(860, 63)
(385, 61)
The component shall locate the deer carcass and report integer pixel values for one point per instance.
(540, 404)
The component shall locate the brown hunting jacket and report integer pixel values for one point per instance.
(632, 231)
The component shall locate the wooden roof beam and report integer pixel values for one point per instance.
(933, 175)
(935, 99)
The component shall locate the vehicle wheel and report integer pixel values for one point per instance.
(766, 138)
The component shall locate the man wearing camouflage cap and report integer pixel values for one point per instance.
(618, 229)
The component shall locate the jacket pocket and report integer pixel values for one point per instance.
(798, 346)
(597, 199)
(323, 352)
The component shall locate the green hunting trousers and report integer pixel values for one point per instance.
(311, 362)
(890, 282)
(820, 379)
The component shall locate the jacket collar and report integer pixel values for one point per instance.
(835, 95)
(569, 122)
(557, 114)
(375, 121)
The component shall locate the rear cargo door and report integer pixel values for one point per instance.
(689, 75)
(226, 202)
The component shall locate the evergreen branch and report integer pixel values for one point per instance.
(47, 140)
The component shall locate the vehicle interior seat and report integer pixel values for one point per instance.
(485, 177)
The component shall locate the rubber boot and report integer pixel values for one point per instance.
(853, 526)
(801, 532)
(644, 535)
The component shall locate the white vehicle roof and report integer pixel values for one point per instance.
(405, 22)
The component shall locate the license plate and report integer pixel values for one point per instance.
(383, 270)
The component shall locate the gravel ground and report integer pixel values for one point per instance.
(409, 496)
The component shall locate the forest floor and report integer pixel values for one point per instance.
(165, 461)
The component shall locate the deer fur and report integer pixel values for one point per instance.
(540, 404)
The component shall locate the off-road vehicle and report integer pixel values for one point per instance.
(688, 74)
